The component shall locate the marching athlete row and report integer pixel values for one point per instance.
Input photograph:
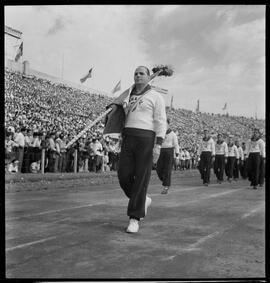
(231, 159)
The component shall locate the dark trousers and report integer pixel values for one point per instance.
(243, 169)
(219, 166)
(51, 160)
(229, 166)
(262, 171)
(62, 162)
(205, 166)
(187, 163)
(254, 161)
(134, 171)
(164, 166)
(113, 160)
(19, 157)
(97, 163)
(236, 169)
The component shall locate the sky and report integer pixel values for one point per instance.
(217, 52)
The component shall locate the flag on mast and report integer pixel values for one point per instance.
(19, 52)
(87, 76)
(171, 101)
(117, 87)
(225, 106)
(198, 106)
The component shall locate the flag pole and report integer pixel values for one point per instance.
(62, 69)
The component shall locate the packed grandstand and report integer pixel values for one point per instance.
(44, 107)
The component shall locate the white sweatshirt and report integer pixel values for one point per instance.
(256, 146)
(233, 151)
(222, 149)
(207, 146)
(171, 141)
(241, 152)
(149, 114)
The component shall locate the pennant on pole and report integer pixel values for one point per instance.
(19, 52)
(171, 102)
(117, 87)
(198, 106)
(87, 76)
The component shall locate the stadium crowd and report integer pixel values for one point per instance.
(41, 114)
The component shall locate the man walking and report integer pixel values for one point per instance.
(207, 156)
(165, 161)
(221, 148)
(144, 119)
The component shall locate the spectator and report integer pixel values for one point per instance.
(63, 152)
(98, 154)
(10, 157)
(187, 159)
(52, 152)
(20, 143)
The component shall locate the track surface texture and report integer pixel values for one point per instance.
(75, 228)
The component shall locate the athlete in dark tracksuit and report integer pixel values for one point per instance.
(207, 156)
(256, 159)
(166, 158)
(221, 149)
(233, 156)
(143, 133)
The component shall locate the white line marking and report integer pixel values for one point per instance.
(253, 211)
(89, 205)
(195, 246)
(52, 211)
(214, 196)
(30, 244)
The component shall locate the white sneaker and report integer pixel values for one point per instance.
(148, 202)
(164, 190)
(133, 226)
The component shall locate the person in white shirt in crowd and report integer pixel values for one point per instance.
(255, 156)
(20, 143)
(28, 154)
(176, 161)
(10, 156)
(237, 166)
(206, 152)
(36, 152)
(63, 153)
(243, 168)
(165, 161)
(58, 154)
(98, 154)
(187, 159)
(113, 154)
(192, 159)
(182, 159)
(106, 166)
(51, 152)
(143, 134)
(233, 157)
(221, 149)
